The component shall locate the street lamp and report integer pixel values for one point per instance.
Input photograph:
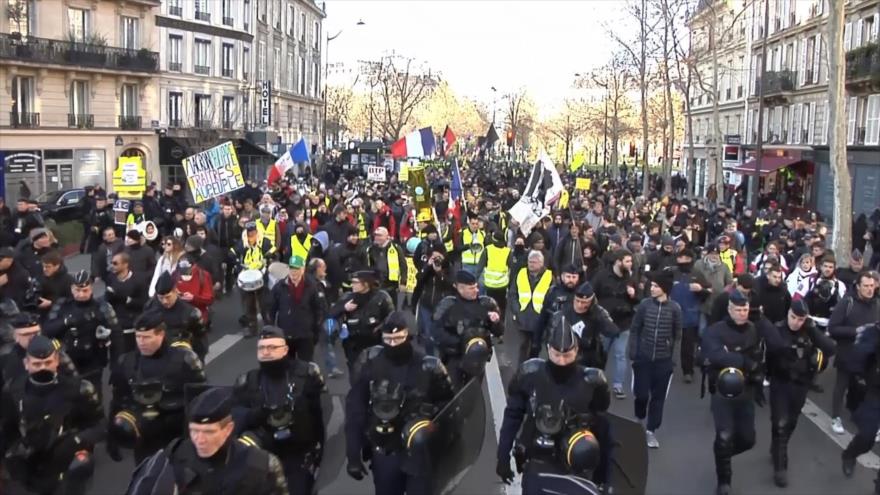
(360, 22)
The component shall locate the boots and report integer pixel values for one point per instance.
(779, 451)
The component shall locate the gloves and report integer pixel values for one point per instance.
(113, 450)
(749, 365)
(356, 469)
(504, 472)
(760, 400)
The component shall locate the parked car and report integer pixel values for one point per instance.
(61, 206)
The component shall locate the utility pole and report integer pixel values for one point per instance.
(762, 82)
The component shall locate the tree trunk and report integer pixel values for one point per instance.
(669, 136)
(718, 177)
(841, 237)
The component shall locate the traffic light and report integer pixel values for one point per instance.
(509, 139)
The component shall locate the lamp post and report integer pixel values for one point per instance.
(326, 73)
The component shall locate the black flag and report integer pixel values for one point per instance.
(491, 136)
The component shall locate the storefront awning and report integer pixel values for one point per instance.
(768, 164)
(245, 147)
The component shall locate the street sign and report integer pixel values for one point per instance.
(265, 102)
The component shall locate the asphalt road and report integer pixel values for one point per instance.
(682, 466)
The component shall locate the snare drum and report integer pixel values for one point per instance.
(278, 271)
(250, 280)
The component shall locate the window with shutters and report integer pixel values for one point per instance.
(794, 135)
(129, 102)
(276, 63)
(77, 24)
(825, 124)
(290, 65)
(872, 121)
(817, 49)
(809, 54)
(175, 108)
(851, 111)
(805, 123)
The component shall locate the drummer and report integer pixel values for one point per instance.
(252, 255)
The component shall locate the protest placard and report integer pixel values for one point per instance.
(582, 183)
(213, 172)
(376, 173)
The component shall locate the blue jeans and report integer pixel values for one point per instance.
(330, 341)
(426, 329)
(615, 348)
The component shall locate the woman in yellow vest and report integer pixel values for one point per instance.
(532, 285)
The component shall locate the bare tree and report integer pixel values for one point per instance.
(842, 236)
(568, 125)
(400, 85)
(339, 104)
(617, 79)
(519, 115)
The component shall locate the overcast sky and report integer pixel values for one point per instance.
(477, 44)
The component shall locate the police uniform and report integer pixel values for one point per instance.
(183, 321)
(793, 360)
(865, 357)
(362, 324)
(84, 329)
(560, 409)
(235, 468)
(12, 355)
(147, 408)
(282, 400)
(463, 331)
(733, 360)
(388, 414)
(589, 327)
(50, 424)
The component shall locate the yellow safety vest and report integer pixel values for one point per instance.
(527, 294)
(253, 257)
(496, 275)
(300, 249)
(362, 226)
(469, 256)
(447, 238)
(728, 257)
(393, 264)
(267, 231)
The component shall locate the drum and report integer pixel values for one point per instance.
(278, 271)
(250, 280)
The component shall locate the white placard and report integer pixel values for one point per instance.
(376, 173)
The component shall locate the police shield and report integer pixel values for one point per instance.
(553, 484)
(629, 463)
(458, 437)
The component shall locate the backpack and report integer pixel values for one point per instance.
(154, 475)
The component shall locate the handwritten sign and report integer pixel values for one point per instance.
(130, 177)
(403, 173)
(582, 183)
(213, 172)
(376, 173)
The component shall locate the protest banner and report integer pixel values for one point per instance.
(213, 172)
(582, 183)
(376, 173)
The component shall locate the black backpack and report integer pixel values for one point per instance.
(154, 475)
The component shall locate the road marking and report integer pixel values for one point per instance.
(498, 402)
(220, 346)
(822, 420)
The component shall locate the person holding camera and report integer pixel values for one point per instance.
(434, 282)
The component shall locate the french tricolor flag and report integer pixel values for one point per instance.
(417, 144)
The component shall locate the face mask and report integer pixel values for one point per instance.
(43, 377)
(400, 353)
(561, 374)
(273, 368)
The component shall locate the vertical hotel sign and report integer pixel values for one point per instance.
(265, 102)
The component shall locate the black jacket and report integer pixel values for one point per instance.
(612, 295)
(432, 286)
(301, 318)
(850, 313)
(654, 330)
(142, 259)
(17, 281)
(774, 301)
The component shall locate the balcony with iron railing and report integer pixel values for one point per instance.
(175, 123)
(203, 16)
(228, 72)
(228, 21)
(778, 82)
(863, 68)
(81, 120)
(175, 10)
(203, 123)
(130, 122)
(202, 69)
(24, 120)
(43, 51)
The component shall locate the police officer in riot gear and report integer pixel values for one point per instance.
(209, 459)
(793, 360)
(50, 424)
(464, 325)
(282, 399)
(147, 407)
(562, 404)
(733, 355)
(362, 311)
(24, 327)
(588, 321)
(388, 412)
(84, 325)
(183, 321)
